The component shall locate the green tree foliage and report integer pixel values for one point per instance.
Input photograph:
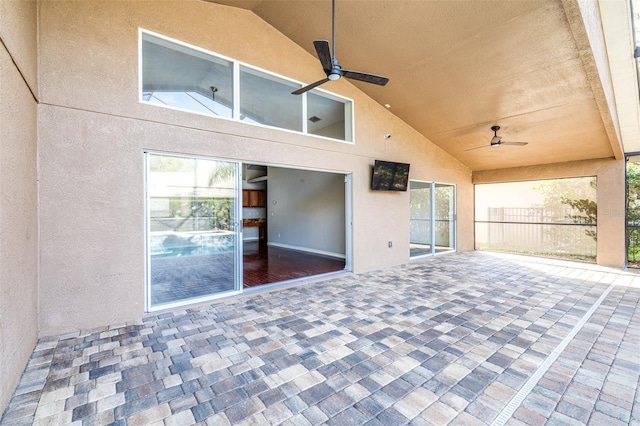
(588, 213)
(633, 191)
(577, 193)
(633, 213)
(197, 210)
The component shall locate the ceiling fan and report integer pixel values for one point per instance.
(330, 64)
(496, 141)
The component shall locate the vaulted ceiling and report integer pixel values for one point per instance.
(558, 74)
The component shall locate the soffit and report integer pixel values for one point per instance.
(458, 67)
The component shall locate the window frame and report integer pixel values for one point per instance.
(349, 108)
(433, 185)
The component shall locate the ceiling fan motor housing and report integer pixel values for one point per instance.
(336, 71)
(330, 65)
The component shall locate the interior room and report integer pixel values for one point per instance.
(294, 227)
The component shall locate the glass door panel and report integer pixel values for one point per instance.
(444, 224)
(420, 221)
(193, 240)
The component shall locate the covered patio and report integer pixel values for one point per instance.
(469, 338)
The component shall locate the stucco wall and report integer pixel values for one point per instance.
(610, 198)
(18, 30)
(93, 132)
(18, 194)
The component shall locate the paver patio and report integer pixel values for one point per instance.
(470, 338)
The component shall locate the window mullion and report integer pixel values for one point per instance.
(236, 90)
(304, 113)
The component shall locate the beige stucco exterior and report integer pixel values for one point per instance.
(73, 138)
(18, 193)
(94, 132)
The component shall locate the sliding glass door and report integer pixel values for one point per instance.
(421, 218)
(444, 217)
(432, 218)
(193, 219)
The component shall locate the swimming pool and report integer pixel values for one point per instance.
(172, 244)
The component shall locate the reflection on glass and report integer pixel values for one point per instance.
(192, 240)
(326, 116)
(444, 217)
(420, 223)
(191, 101)
(188, 78)
(181, 77)
(432, 222)
(267, 99)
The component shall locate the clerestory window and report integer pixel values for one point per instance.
(180, 76)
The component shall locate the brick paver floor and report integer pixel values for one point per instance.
(464, 339)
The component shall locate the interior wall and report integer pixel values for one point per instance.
(306, 210)
(93, 132)
(610, 197)
(18, 192)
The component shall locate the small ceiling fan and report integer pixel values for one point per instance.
(330, 64)
(496, 141)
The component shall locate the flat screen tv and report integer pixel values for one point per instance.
(390, 176)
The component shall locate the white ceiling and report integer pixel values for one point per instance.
(541, 69)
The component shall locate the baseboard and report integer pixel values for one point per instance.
(308, 250)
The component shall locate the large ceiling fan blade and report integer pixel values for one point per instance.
(324, 54)
(309, 87)
(367, 78)
(514, 143)
(478, 147)
(330, 64)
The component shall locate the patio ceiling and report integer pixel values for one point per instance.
(542, 69)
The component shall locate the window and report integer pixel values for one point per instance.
(267, 99)
(328, 116)
(433, 218)
(182, 77)
(188, 78)
(193, 243)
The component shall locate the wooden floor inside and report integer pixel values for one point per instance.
(265, 264)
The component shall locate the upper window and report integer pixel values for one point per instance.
(267, 99)
(327, 116)
(179, 76)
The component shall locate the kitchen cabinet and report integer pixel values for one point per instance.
(254, 198)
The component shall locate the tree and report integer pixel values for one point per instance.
(633, 212)
(566, 202)
(559, 193)
(633, 190)
(588, 213)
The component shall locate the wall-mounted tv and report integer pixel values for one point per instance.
(390, 176)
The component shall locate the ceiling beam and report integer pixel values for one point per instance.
(586, 26)
(618, 33)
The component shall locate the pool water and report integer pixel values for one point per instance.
(173, 244)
